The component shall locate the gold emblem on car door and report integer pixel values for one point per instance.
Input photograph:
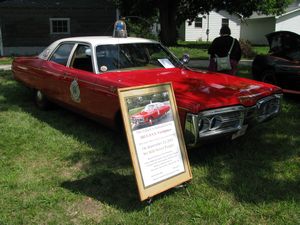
(75, 91)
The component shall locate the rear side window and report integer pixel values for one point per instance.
(62, 53)
(82, 59)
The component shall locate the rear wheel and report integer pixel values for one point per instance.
(268, 76)
(41, 100)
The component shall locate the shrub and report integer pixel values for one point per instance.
(247, 50)
(141, 28)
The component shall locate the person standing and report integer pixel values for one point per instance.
(221, 47)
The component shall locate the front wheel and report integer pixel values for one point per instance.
(150, 121)
(41, 100)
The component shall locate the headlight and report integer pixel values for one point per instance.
(219, 121)
(268, 107)
(210, 123)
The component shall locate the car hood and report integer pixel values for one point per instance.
(283, 40)
(196, 91)
(140, 114)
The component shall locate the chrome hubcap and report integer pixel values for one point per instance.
(39, 95)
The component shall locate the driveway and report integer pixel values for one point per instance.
(203, 64)
(5, 67)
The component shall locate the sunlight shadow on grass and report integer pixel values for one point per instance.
(261, 166)
(112, 188)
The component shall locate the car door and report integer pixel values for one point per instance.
(289, 71)
(82, 90)
(54, 70)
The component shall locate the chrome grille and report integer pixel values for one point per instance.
(137, 120)
(220, 121)
(229, 120)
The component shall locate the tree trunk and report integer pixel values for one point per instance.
(167, 19)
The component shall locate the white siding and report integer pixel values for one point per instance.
(193, 33)
(213, 21)
(254, 30)
(290, 22)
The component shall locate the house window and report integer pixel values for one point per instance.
(59, 25)
(225, 22)
(198, 22)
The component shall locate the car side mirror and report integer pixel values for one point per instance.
(185, 58)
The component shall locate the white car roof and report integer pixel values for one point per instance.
(95, 41)
(104, 40)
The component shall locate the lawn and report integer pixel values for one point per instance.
(57, 167)
(198, 50)
(5, 60)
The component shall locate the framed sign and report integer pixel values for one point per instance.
(155, 138)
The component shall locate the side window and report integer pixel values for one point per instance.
(62, 53)
(225, 22)
(198, 22)
(82, 59)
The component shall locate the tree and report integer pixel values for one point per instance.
(172, 13)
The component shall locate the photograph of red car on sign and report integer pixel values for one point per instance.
(151, 113)
(157, 149)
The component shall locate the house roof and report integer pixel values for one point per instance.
(290, 12)
(51, 3)
(294, 7)
(256, 15)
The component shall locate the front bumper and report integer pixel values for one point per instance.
(227, 121)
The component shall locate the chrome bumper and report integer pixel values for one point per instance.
(230, 120)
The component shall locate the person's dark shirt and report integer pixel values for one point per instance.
(221, 46)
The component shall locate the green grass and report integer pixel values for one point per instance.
(135, 110)
(6, 60)
(261, 50)
(59, 168)
(194, 53)
(198, 50)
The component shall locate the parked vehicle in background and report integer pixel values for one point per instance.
(282, 65)
(84, 73)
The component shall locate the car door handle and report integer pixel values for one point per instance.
(113, 89)
(65, 76)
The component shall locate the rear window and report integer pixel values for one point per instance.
(62, 53)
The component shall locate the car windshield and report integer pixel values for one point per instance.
(134, 56)
(149, 108)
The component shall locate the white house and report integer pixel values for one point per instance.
(257, 26)
(206, 27)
